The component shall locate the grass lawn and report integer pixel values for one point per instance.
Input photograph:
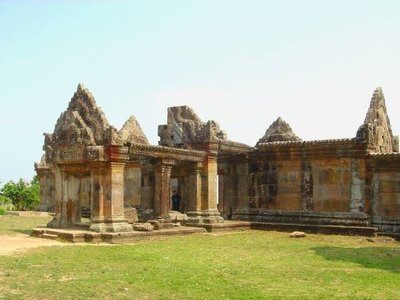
(12, 225)
(240, 265)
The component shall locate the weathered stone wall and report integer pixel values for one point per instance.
(318, 182)
(384, 191)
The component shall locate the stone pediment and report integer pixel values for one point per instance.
(279, 131)
(82, 129)
(82, 124)
(71, 129)
(84, 103)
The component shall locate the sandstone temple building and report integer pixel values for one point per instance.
(91, 168)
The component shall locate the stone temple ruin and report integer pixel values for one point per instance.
(119, 181)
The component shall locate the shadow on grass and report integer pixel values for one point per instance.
(384, 258)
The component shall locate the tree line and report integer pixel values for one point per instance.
(20, 195)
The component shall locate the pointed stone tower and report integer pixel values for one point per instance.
(376, 130)
(132, 133)
(279, 131)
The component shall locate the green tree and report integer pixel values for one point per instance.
(24, 195)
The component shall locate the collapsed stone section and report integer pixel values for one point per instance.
(376, 131)
(185, 127)
(279, 131)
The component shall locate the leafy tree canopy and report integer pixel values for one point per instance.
(23, 195)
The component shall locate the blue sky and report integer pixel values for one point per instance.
(242, 63)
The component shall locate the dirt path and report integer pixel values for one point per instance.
(10, 244)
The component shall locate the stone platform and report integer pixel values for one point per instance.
(81, 236)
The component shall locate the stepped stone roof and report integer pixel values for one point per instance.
(279, 131)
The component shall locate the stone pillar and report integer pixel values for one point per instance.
(241, 177)
(221, 192)
(46, 180)
(203, 203)
(147, 187)
(193, 189)
(307, 186)
(162, 194)
(358, 195)
(57, 221)
(107, 198)
(68, 196)
(230, 191)
(242, 173)
(133, 184)
(71, 199)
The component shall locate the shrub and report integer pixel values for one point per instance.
(23, 195)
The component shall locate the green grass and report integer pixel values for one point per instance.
(12, 225)
(242, 265)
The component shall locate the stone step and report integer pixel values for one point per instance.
(395, 235)
(49, 236)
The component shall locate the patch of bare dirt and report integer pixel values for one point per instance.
(10, 244)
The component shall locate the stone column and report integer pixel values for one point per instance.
(133, 183)
(46, 180)
(203, 205)
(307, 186)
(108, 198)
(193, 189)
(57, 221)
(162, 177)
(358, 195)
(147, 188)
(67, 202)
(230, 191)
(241, 176)
(242, 173)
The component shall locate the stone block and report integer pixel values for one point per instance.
(297, 234)
(131, 215)
(143, 227)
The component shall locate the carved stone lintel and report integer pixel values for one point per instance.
(95, 153)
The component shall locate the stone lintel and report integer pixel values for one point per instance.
(117, 153)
